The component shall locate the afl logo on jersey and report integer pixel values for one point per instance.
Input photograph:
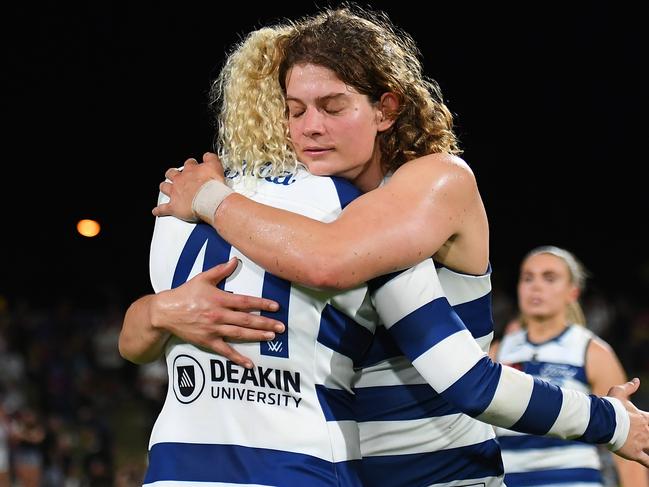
(188, 378)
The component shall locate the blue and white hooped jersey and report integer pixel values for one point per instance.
(288, 421)
(538, 461)
(428, 331)
(411, 435)
(291, 420)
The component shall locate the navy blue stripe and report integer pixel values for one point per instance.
(425, 327)
(400, 403)
(242, 465)
(382, 348)
(552, 477)
(469, 462)
(347, 192)
(336, 404)
(476, 315)
(217, 251)
(342, 334)
(473, 392)
(602, 421)
(527, 442)
(279, 290)
(542, 410)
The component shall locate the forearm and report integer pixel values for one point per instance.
(286, 244)
(139, 340)
(505, 397)
(408, 219)
(432, 336)
(369, 239)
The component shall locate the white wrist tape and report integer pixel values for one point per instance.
(208, 198)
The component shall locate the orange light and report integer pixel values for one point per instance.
(88, 228)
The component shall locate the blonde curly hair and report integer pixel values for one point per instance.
(365, 50)
(252, 136)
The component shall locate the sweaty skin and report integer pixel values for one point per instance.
(430, 206)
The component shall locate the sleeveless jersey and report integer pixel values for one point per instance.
(538, 461)
(288, 421)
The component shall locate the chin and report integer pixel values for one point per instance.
(322, 168)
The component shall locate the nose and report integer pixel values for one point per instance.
(312, 122)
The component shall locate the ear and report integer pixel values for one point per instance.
(574, 294)
(387, 110)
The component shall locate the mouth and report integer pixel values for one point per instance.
(316, 151)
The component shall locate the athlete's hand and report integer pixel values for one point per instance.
(182, 186)
(200, 313)
(637, 442)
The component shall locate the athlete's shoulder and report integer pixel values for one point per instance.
(438, 163)
(578, 334)
(439, 172)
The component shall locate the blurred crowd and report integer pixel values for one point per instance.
(73, 413)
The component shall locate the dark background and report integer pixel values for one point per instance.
(99, 100)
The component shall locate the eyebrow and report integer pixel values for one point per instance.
(320, 99)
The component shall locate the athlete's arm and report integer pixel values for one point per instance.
(424, 204)
(603, 370)
(199, 313)
(443, 351)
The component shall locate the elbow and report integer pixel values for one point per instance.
(331, 273)
(470, 405)
(323, 279)
(125, 351)
(132, 354)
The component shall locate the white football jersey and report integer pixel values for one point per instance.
(533, 460)
(288, 421)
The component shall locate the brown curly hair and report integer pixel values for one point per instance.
(365, 50)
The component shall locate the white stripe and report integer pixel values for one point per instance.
(423, 287)
(339, 434)
(380, 438)
(505, 432)
(511, 398)
(531, 460)
(479, 482)
(573, 417)
(623, 424)
(446, 362)
(396, 371)
(484, 342)
(332, 369)
(167, 242)
(357, 304)
(462, 288)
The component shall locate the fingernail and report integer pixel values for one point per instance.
(279, 328)
(269, 335)
(274, 306)
(248, 365)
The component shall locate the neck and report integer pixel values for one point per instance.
(372, 175)
(542, 329)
